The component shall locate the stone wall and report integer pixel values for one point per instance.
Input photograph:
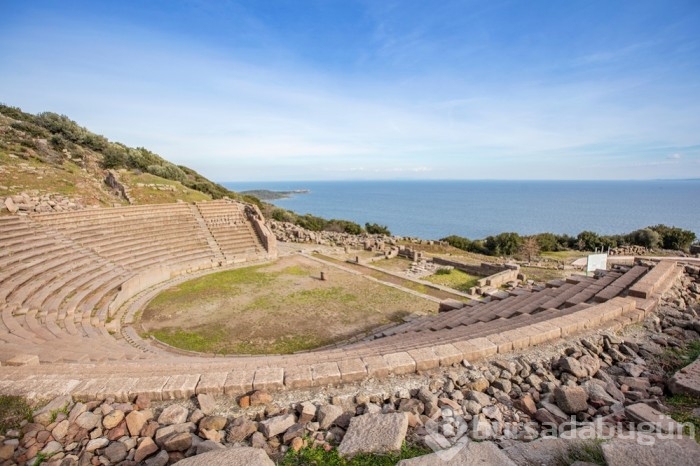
(26, 203)
(484, 269)
(628, 251)
(267, 238)
(291, 233)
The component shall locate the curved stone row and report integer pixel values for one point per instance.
(63, 276)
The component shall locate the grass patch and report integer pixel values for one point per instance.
(13, 410)
(674, 359)
(564, 255)
(590, 451)
(542, 275)
(276, 308)
(284, 345)
(296, 270)
(310, 456)
(455, 279)
(320, 295)
(151, 195)
(209, 286)
(682, 407)
(191, 341)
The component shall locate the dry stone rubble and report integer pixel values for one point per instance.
(603, 384)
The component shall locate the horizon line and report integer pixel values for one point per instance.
(462, 179)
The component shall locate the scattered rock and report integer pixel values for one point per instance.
(173, 414)
(571, 400)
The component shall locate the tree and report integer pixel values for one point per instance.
(114, 156)
(343, 226)
(504, 244)
(674, 237)
(458, 242)
(530, 247)
(646, 237)
(376, 229)
(588, 241)
(547, 242)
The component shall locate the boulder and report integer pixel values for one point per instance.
(135, 421)
(643, 413)
(206, 403)
(116, 452)
(241, 429)
(651, 450)
(374, 433)
(573, 366)
(213, 423)
(242, 455)
(327, 415)
(276, 425)
(112, 419)
(173, 414)
(486, 453)
(480, 428)
(145, 449)
(571, 400)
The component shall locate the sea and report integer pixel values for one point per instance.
(477, 209)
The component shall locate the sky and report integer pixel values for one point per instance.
(371, 89)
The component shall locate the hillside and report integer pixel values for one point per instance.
(49, 162)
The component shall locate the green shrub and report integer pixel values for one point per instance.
(13, 410)
(167, 171)
(503, 244)
(343, 226)
(376, 229)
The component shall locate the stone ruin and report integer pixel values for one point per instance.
(25, 203)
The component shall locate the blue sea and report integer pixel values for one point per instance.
(476, 209)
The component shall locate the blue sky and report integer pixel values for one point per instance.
(323, 90)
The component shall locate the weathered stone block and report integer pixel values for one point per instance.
(352, 370)
(376, 366)
(448, 354)
(400, 363)
(212, 383)
(502, 342)
(239, 381)
(298, 377)
(325, 373)
(374, 433)
(271, 378)
(425, 358)
(180, 387)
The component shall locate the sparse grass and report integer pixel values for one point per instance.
(13, 410)
(565, 255)
(40, 458)
(191, 341)
(682, 407)
(455, 279)
(277, 308)
(589, 451)
(542, 275)
(674, 359)
(150, 195)
(320, 457)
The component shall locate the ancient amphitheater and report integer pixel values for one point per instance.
(71, 283)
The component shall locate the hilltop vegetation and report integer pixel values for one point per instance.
(511, 244)
(71, 160)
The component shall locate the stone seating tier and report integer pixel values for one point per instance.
(61, 315)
